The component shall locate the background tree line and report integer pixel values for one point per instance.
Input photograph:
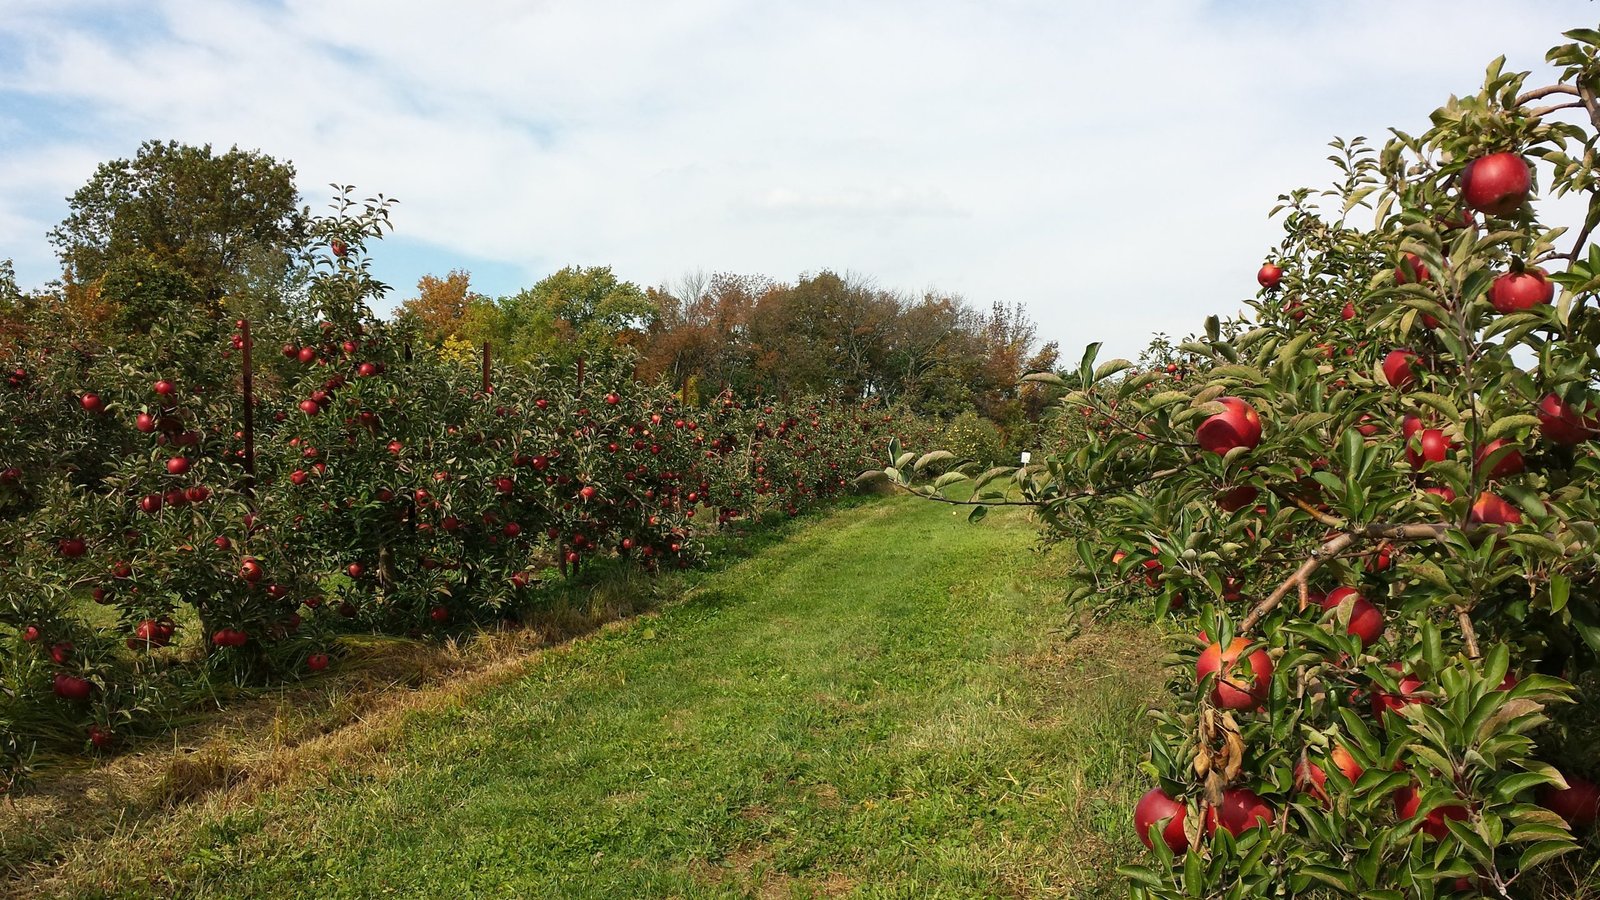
(180, 235)
(825, 332)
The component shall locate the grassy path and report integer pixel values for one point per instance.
(884, 705)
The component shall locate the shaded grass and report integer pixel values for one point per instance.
(883, 704)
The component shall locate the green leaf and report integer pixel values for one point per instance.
(1241, 373)
(1442, 404)
(1537, 541)
(1110, 368)
(932, 457)
(1166, 398)
(1505, 426)
(1536, 831)
(978, 513)
(1086, 365)
(1044, 378)
(1542, 852)
(1560, 590)
(991, 475)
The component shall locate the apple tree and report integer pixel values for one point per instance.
(1368, 510)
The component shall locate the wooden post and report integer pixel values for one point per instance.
(580, 374)
(249, 384)
(486, 387)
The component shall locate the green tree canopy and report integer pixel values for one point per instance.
(576, 312)
(230, 223)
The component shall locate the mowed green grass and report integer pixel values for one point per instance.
(889, 703)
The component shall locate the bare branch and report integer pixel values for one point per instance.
(1538, 93)
(1543, 111)
(1322, 554)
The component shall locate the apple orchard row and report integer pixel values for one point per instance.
(1376, 526)
(146, 545)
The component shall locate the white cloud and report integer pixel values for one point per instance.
(1110, 165)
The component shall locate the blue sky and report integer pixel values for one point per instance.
(1108, 165)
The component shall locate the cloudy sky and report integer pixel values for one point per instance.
(1110, 165)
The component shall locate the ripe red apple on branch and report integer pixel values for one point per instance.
(1155, 807)
(1238, 684)
(1497, 184)
(1236, 426)
(1518, 291)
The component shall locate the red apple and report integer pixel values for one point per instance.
(1518, 291)
(99, 737)
(1490, 509)
(1408, 800)
(250, 571)
(1433, 446)
(72, 548)
(1579, 804)
(1237, 426)
(1238, 498)
(1241, 809)
(1269, 276)
(1366, 620)
(1497, 184)
(316, 662)
(1228, 691)
(1561, 424)
(1410, 690)
(439, 615)
(1411, 269)
(165, 388)
(71, 687)
(1410, 425)
(1400, 368)
(92, 402)
(151, 633)
(178, 465)
(1510, 463)
(1154, 807)
(1443, 492)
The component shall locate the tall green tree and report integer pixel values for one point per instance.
(578, 312)
(230, 223)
